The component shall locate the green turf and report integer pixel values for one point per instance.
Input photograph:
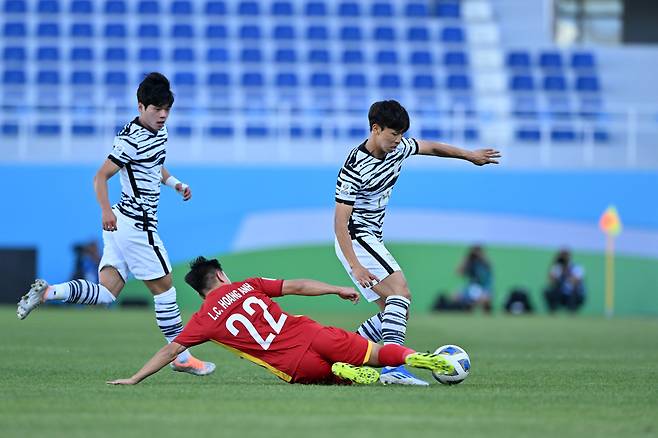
(531, 377)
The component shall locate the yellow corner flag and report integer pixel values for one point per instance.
(610, 224)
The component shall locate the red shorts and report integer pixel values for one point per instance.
(331, 345)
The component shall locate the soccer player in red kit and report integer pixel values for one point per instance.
(242, 317)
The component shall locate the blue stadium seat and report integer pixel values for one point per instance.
(432, 133)
(252, 79)
(182, 7)
(148, 31)
(518, 60)
(285, 56)
(287, 80)
(424, 82)
(250, 32)
(9, 129)
(522, 83)
(384, 33)
(183, 54)
(48, 30)
(282, 9)
(452, 35)
(185, 79)
(457, 82)
(251, 55)
(220, 131)
(550, 60)
(382, 9)
(421, 57)
(82, 54)
(319, 56)
(218, 54)
(355, 80)
(563, 135)
(181, 31)
(219, 79)
(455, 59)
(14, 30)
(248, 8)
(115, 7)
(48, 129)
(13, 54)
(317, 33)
(588, 84)
(350, 33)
(555, 83)
(183, 130)
(82, 30)
(83, 129)
(256, 131)
(418, 33)
(116, 78)
(354, 56)
(601, 136)
(357, 132)
(583, 61)
(81, 7)
(82, 78)
(416, 10)
(148, 7)
(15, 7)
(448, 9)
(349, 9)
(48, 54)
(389, 80)
(149, 54)
(48, 7)
(284, 32)
(115, 30)
(387, 57)
(321, 80)
(316, 9)
(13, 77)
(47, 77)
(471, 134)
(528, 134)
(116, 54)
(216, 32)
(215, 8)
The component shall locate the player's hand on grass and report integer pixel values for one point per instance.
(481, 157)
(121, 382)
(347, 293)
(364, 277)
(109, 220)
(184, 190)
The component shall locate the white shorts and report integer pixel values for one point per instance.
(374, 256)
(131, 250)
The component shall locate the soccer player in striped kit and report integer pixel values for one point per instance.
(363, 189)
(130, 237)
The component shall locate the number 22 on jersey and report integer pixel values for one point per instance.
(241, 319)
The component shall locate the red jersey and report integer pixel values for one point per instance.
(242, 317)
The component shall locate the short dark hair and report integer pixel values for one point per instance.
(201, 272)
(155, 90)
(389, 114)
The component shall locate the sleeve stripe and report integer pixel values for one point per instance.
(115, 160)
(342, 201)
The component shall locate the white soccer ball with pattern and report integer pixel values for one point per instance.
(458, 358)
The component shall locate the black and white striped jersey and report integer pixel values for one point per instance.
(140, 153)
(366, 183)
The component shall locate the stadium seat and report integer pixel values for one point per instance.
(249, 8)
(250, 32)
(220, 131)
(528, 134)
(185, 79)
(81, 7)
(14, 77)
(349, 9)
(251, 55)
(357, 132)
(81, 54)
(354, 56)
(416, 10)
(389, 80)
(550, 60)
(183, 54)
(9, 129)
(115, 30)
(321, 80)
(47, 77)
(216, 32)
(14, 30)
(13, 54)
(284, 32)
(182, 8)
(387, 57)
(423, 82)
(384, 33)
(522, 83)
(455, 59)
(45, 7)
(47, 54)
(448, 9)
(183, 130)
(315, 9)
(285, 56)
(116, 54)
(115, 7)
(217, 55)
(219, 79)
(82, 78)
(286, 80)
(149, 54)
(317, 33)
(563, 135)
(82, 30)
(582, 61)
(182, 31)
(355, 80)
(319, 56)
(83, 129)
(15, 7)
(555, 83)
(350, 33)
(148, 31)
(116, 78)
(148, 7)
(588, 84)
(432, 133)
(421, 58)
(382, 9)
(282, 9)
(452, 35)
(48, 129)
(518, 60)
(252, 79)
(48, 30)
(256, 131)
(457, 82)
(418, 33)
(215, 8)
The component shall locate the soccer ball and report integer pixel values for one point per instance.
(458, 358)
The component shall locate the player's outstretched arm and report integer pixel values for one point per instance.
(312, 288)
(170, 181)
(478, 157)
(107, 170)
(155, 364)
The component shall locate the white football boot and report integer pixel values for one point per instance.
(32, 299)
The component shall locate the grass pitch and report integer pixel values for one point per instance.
(531, 377)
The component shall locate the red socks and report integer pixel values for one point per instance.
(393, 355)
